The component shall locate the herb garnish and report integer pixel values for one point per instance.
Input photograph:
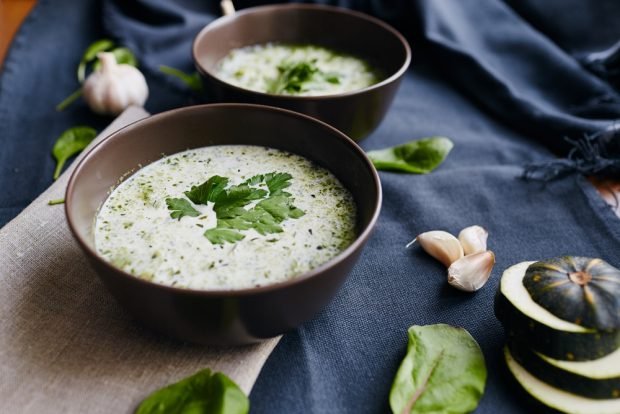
(202, 393)
(418, 156)
(180, 207)
(273, 207)
(443, 372)
(71, 142)
(293, 75)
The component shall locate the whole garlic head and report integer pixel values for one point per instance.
(113, 87)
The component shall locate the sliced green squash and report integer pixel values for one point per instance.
(525, 320)
(597, 379)
(581, 290)
(556, 398)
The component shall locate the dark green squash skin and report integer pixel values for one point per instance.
(531, 404)
(571, 346)
(580, 290)
(564, 380)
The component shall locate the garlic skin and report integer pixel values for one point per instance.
(473, 239)
(112, 88)
(471, 272)
(441, 245)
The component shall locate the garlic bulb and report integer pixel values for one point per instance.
(473, 239)
(471, 272)
(113, 87)
(441, 245)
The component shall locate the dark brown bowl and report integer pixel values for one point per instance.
(355, 113)
(231, 316)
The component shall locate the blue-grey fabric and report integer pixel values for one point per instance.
(504, 80)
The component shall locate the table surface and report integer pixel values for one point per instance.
(13, 12)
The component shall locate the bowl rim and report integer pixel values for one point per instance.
(359, 241)
(229, 19)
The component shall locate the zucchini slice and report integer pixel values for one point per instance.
(525, 320)
(597, 379)
(555, 398)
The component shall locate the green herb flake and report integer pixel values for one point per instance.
(202, 393)
(180, 207)
(443, 371)
(418, 156)
(71, 142)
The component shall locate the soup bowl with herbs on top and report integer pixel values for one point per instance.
(337, 65)
(217, 231)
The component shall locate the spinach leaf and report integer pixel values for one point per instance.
(71, 142)
(90, 54)
(191, 80)
(123, 56)
(443, 372)
(418, 156)
(180, 207)
(202, 393)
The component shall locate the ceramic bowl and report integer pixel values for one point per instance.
(224, 316)
(355, 113)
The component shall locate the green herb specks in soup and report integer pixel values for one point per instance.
(295, 70)
(225, 217)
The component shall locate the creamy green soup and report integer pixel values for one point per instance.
(295, 70)
(225, 217)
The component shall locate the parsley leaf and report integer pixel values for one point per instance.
(180, 207)
(210, 190)
(292, 76)
(217, 235)
(273, 206)
(277, 181)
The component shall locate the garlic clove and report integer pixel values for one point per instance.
(441, 245)
(473, 239)
(113, 87)
(471, 272)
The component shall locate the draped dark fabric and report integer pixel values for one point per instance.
(513, 83)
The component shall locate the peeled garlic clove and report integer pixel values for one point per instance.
(471, 272)
(113, 87)
(473, 239)
(441, 245)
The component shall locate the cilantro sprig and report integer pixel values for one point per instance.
(274, 205)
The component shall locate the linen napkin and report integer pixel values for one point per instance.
(66, 346)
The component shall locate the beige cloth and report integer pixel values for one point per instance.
(65, 344)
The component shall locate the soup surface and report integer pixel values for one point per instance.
(225, 217)
(303, 70)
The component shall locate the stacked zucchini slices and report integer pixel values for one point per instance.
(562, 323)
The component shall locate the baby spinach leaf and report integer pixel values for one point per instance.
(191, 80)
(418, 156)
(123, 56)
(443, 372)
(180, 207)
(90, 54)
(218, 235)
(71, 142)
(202, 393)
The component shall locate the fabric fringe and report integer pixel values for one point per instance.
(596, 155)
(605, 64)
